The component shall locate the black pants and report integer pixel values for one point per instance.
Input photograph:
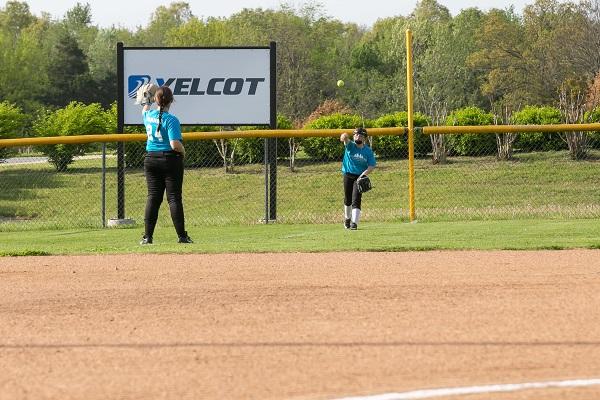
(164, 171)
(351, 194)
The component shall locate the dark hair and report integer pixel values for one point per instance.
(164, 98)
(360, 131)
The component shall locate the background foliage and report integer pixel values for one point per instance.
(475, 58)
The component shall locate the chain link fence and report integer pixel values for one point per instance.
(457, 177)
(534, 182)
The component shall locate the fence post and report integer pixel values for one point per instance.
(120, 220)
(273, 141)
(120, 150)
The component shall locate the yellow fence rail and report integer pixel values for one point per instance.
(139, 137)
(447, 130)
(300, 133)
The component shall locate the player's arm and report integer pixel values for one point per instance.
(371, 164)
(177, 146)
(175, 137)
(368, 170)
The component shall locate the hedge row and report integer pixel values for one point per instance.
(81, 119)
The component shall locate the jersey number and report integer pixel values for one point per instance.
(151, 136)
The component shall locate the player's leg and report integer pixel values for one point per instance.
(174, 186)
(356, 204)
(156, 188)
(348, 187)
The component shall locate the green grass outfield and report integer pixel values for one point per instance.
(533, 186)
(478, 235)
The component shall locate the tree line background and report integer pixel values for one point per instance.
(497, 64)
(492, 60)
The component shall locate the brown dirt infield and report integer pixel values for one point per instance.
(297, 326)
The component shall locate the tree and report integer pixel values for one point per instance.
(15, 17)
(68, 75)
(502, 58)
(78, 22)
(163, 20)
(198, 32)
(551, 30)
(377, 71)
(102, 61)
(309, 49)
(23, 64)
(79, 16)
(12, 122)
(584, 51)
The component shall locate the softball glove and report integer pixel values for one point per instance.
(363, 184)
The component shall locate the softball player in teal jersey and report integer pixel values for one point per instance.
(358, 161)
(163, 165)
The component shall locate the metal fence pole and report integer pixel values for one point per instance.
(120, 147)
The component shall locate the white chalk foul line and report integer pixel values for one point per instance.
(512, 387)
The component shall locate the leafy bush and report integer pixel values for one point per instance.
(252, 150)
(397, 146)
(471, 144)
(532, 141)
(75, 119)
(329, 148)
(592, 117)
(134, 151)
(12, 123)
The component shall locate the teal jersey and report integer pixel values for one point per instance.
(170, 129)
(357, 160)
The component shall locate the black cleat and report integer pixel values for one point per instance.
(353, 226)
(347, 223)
(185, 239)
(146, 240)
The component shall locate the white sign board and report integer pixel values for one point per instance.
(211, 86)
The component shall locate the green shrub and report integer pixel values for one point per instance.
(134, 151)
(397, 146)
(75, 119)
(252, 150)
(471, 144)
(12, 123)
(538, 141)
(593, 116)
(329, 148)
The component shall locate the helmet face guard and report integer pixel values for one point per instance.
(360, 131)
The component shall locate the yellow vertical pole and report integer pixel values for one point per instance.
(411, 127)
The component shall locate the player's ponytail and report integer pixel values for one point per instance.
(164, 98)
(159, 119)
